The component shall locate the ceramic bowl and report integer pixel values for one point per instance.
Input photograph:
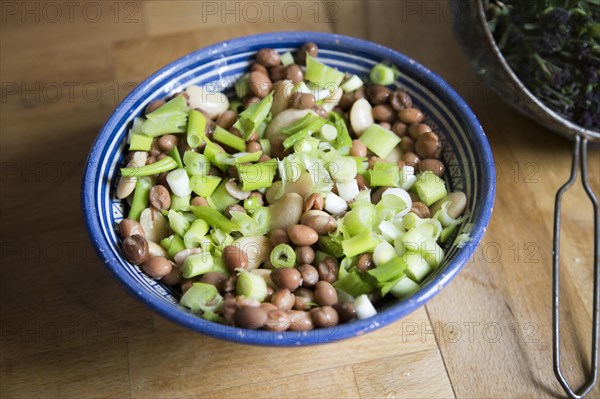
(465, 151)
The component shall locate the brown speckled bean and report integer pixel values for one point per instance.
(302, 235)
(325, 294)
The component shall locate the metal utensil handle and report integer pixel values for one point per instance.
(579, 159)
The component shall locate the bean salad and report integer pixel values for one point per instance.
(301, 201)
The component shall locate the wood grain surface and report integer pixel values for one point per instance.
(68, 330)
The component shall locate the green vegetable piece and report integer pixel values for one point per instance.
(223, 136)
(379, 140)
(140, 142)
(221, 198)
(343, 138)
(360, 218)
(249, 120)
(404, 287)
(195, 265)
(204, 186)
(164, 165)
(196, 164)
(141, 197)
(389, 271)
(214, 218)
(322, 75)
(283, 256)
(211, 151)
(251, 286)
(258, 175)
(331, 245)
(353, 284)
(173, 244)
(174, 153)
(180, 203)
(196, 128)
(382, 74)
(202, 297)
(430, 188)
(360, 243)
(171, 117)
(417, 268)
(177, 222)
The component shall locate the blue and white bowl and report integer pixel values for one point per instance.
(465, 151)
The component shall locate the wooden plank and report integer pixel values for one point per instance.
(318, 384)
(415, 375)
(92, 371)
(150, 368)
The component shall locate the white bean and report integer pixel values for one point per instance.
(361, 116)
(155, 225)
(213, 103)
(127, 184)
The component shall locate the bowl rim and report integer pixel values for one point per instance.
(317, 336)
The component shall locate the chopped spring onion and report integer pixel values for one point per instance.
(407, 177)
(251, 285)
(283, 256)
(322, 75)
(220, 198)
(342, 169)
(256, 225)
(173, 244)
(383, 253)
(221, 239)
(202, 297)
(199, 227)
(305, 132)
(381, 74)
(223, 136)
(328, 132)
(164, 165)
(403, 195)
(179, 182)
(196, 164)
(417, 268)
(413, 240)
(360, 243)
(177, 222)
(445, 219)
(390, 206)
(331, 246)
(352, 84)
(389, 230)
(334, 204)
(432, 253)
(286, 59)
(352, 284)
(447, 233)
(404, 287)
(140, 142)
(256, 176)
(360, 218)
(379, 140)
(204, 186)
(265, 144)
(170, 117)
(389, 177)
(196, 128)
(174, 153)
(430, 188)
(389, 271)
(462, 240)
(140, 198)
(251, 204)
(194, 239)
(211, 151)
(364, 307)
(241, 86)
(195, 265)
(343, 138)
(214, 218)
(348, 189)
(249, 120)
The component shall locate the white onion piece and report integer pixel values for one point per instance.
(383, 253)
(364, 307)
(361, 116)
(179, 182)
(404, 195)
(213, 103)
(334, 204)
(348, 189)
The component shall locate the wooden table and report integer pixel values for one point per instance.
(69, 330)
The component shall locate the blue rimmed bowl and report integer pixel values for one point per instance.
(465, 151)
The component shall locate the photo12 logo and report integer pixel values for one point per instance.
(269, 11)
(127, 12)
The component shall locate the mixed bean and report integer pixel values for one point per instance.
(297, 205)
